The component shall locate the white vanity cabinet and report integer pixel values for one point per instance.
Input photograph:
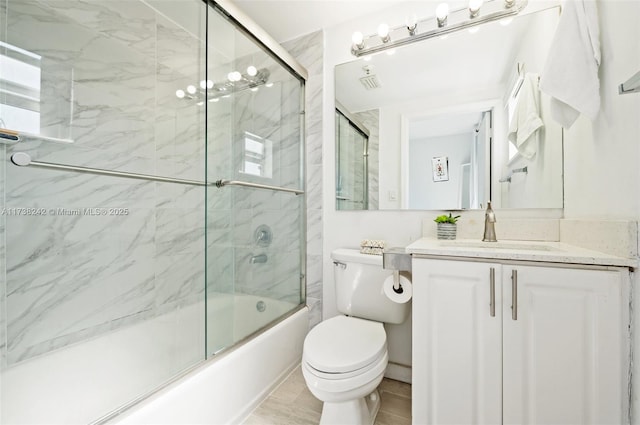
(559, 357)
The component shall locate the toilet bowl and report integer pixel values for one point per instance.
(344, 360)
(345, 357)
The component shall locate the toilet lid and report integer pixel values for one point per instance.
(344, 344)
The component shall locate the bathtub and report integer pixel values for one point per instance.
(83, 383)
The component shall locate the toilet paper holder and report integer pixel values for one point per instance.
(398, 260)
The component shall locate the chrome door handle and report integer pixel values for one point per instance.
(492, 292)
(514, 294)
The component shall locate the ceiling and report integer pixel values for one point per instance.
(287, 19)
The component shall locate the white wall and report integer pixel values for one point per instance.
(424, 193)
(601, 158)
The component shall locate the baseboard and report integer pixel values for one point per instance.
(398, 372)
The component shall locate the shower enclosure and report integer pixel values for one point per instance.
(152, 198)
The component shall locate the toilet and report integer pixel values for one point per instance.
(344, 358)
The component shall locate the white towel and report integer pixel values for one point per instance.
(525, 122)
(570, 74)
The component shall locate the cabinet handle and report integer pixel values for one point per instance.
(514, 294)
(492, 292)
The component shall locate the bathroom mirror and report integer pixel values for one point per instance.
(432, 120)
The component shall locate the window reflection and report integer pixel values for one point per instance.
(20, 80)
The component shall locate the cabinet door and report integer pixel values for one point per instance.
(563, 352)
(457, 360)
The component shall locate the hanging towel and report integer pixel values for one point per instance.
(525, 122)
(570, 74)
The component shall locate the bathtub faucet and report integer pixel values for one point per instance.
(262, 258)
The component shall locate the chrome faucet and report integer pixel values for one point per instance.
(489, 225)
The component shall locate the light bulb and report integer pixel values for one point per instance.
(180, 94)
(252, 71)
(442, 12)
(358, 40)
(234, 76)
(474, 7)
(191, 89)
(383, 33)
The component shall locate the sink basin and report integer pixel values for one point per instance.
(519, 246)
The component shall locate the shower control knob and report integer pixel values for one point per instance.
(263, 235)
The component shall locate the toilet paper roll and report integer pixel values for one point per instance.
(398, 297)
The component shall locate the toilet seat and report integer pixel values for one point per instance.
(343, 346)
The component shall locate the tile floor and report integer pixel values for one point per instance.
(291, 403)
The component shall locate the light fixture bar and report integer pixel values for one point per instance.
(457, 20)
(235, 82)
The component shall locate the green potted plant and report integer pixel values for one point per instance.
(446, 226)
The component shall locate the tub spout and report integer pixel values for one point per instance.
(262, 258)
(489, 225)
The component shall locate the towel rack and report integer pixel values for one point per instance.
(632, 85)
(23, 159)
(511, 173)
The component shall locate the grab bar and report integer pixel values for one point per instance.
(23, 159)
(514, 171)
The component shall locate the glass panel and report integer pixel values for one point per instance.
(351, 170)
(103, 294)
(254, 248)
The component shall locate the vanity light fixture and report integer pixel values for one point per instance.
(443, 23)
(234, 83)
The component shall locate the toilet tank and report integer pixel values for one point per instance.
(358, 279)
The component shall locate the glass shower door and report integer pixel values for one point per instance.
(255, 235)
(102, 278)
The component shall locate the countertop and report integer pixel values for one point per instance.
(550, 252)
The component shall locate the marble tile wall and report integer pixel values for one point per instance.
(110, 87)
(271, 113)
(309, 51)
